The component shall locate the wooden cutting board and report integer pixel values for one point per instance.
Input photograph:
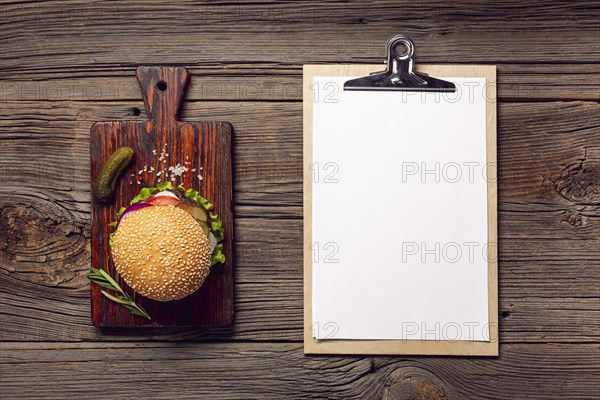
(205, 149)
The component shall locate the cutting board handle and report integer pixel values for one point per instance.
(163, 89)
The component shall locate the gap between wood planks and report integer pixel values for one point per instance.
(233, 83)
(279, 370)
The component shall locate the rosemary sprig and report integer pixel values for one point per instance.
(102, 278)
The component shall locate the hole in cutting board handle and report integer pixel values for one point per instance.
(161, 86)
(163, 89)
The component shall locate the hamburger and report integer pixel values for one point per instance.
(166, 241)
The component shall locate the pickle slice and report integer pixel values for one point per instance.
(204, 227)
(198, 212)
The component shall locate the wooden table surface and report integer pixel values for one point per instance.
(65, 65)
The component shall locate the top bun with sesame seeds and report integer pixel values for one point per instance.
(161, 252)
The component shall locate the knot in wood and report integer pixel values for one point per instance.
(42, 237)
(580, 183)
(411, 383)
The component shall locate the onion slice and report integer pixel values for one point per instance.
(131, 209)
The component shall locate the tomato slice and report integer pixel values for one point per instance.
(163, 201)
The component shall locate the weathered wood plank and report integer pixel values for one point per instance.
(197, 44)
(44, 297)
(548, 153)
(42, 33)
(552, 301)
(265, 315)
(280, 370)
(243, 82)
(541, 14)
(549, 220)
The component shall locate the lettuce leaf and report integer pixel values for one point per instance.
(119, 213)
(216, 226)
(194, 195)
(217, 255)
(144, 194)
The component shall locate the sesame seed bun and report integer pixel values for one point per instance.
(161, 252)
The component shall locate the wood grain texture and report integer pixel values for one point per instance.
(280, 370)
(456, 32)
(549, 219)
(160, 143)
(548, 153)
(231, 81)
(68, 64)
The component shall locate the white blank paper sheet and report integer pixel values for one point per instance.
(399, 213)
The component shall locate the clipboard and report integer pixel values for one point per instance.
(401, 76)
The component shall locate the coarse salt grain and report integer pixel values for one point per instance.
(177, 170)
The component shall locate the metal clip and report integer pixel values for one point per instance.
(400, 74)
